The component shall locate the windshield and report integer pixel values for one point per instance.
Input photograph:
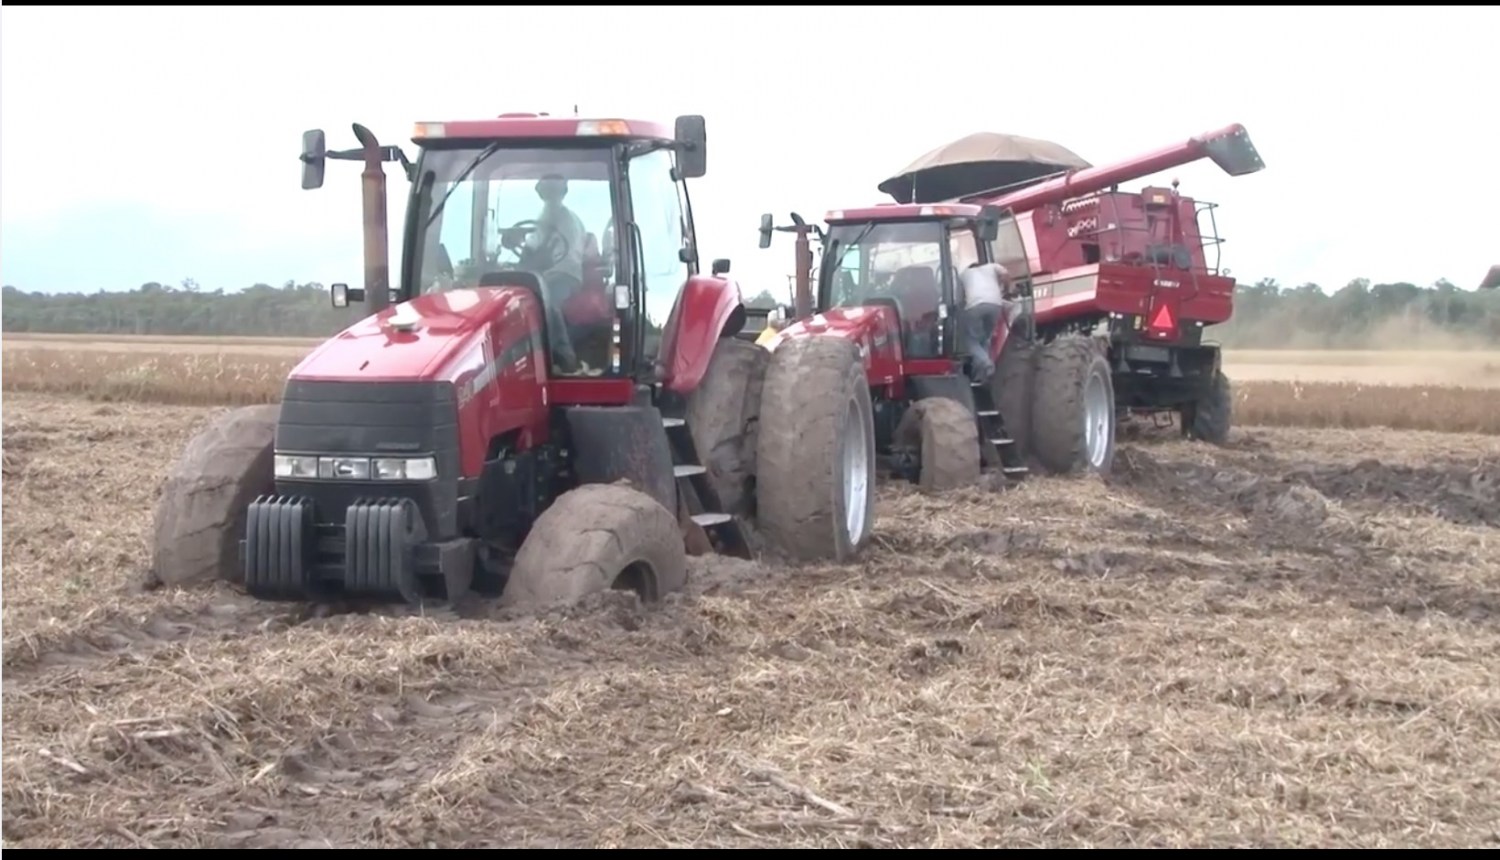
(897, 261)
(486, 210)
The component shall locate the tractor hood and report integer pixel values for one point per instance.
(410, 341)
(870, 327)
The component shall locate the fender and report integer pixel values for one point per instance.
(872, 328)
(704, 311)
(998, 338)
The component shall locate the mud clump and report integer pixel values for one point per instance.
(1457, 492)
(1285, 500)
(1296, 504)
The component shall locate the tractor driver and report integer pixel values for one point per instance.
(558, 231)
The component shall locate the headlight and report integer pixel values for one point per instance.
(353, 468)
(338, 468)
(405, 469)
(295, 466)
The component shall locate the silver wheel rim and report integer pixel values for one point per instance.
(1096, 416)
(856, 474)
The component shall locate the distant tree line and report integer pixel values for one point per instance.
(1266, 314)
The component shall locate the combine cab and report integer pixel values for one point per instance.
(523, 413)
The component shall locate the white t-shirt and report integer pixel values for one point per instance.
(982, 284)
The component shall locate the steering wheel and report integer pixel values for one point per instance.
(512, 238)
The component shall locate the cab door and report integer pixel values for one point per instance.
(1009, 250)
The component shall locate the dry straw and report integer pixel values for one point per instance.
(1277, 644)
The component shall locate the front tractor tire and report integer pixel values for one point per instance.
(593, 538)
(946, 437)
(1209, 418)
(723, 415)
(815, 461)
(1073, 415)
(200, 516)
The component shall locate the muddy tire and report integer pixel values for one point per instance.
(1213, 413)
(1073, 413)
(1011, 389)
(200, 517)
(593, 538)
(947, 435)
(723, 413)
(815, 464)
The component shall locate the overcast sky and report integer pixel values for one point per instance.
(155, 144)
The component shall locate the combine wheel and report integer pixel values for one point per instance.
(1073, 416)
(722, 415)
(1209, 418)
(815, 464)
(593, 538)
(948, 438)
(200, 516)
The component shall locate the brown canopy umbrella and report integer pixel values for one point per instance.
(980, 162)
(1492, 279)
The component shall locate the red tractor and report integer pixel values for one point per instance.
(523, 413)
(1112, 294)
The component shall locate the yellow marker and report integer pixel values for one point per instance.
(766, 336)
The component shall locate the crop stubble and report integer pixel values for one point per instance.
(1275, 644)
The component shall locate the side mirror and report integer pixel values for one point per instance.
(314, 158)
(779, 316)
(766, 225)
(989, 224)
(692, 146)
(720, 267)
(342, 295)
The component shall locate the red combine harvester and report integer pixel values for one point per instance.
(1114, 292)
(522, 413)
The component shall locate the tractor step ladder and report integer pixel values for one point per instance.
(705, 509)
(995, 444)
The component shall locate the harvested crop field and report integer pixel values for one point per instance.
(1280, 643)
(1444, 391)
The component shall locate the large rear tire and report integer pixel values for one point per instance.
(723, 415)
(1073, 416)
(947, 436)
(593, 538)
(200, 517)
(815, 466)
(1011, 389)
(1213, 414)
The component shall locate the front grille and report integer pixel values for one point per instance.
(374, 418)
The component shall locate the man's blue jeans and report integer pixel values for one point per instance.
(978, 324)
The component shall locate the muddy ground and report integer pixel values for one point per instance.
(1294, 641)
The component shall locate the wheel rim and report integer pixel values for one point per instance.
(1096, 416)
(856, 473)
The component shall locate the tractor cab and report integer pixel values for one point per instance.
(910, 258)
(533, 201)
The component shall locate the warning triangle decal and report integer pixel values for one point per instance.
(1163, 318)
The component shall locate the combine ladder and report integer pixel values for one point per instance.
(996, 448)
(704, 508)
